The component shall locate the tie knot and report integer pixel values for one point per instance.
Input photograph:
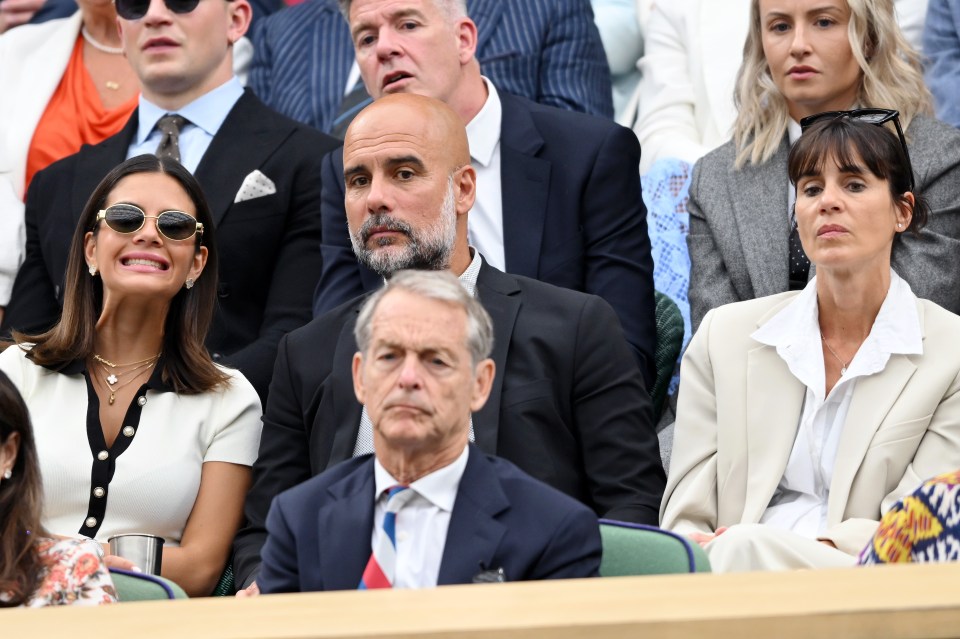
(171, 123)
(397, 496)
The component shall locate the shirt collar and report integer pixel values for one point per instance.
(793, 130)
(483, 131)
(206, 112)
(439, 487)
(468, 279)
(795, 332)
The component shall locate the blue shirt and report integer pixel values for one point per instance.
(204, 117)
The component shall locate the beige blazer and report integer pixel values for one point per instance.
(738, 413)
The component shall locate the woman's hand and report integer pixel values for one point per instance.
(705, 538)
(116, 561)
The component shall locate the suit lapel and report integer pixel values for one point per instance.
(350, 512)
(773, 404)
(97, 161)
(474, 533)
(346, 408)
(755, 189)
(873, 399)
(486, 14)
(500, 296)
(242, 144)
(525, 183)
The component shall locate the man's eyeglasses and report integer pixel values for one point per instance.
(878, 117)
(173, 225)
(136, 9)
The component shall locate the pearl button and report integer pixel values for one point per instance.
(99, 492)
(103, 455)
(141, 400)
(129, 431)
(91, 522)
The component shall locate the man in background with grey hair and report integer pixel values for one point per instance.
(427, 508)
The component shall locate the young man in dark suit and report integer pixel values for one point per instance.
(559, 195)
(260, 172)
(439, 510)
(568, 403)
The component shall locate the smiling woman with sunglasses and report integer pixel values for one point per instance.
(804, 416)
(801, 58)
(138, 430)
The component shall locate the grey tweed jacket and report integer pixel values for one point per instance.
(739, 225)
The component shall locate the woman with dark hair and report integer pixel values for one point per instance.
(138, 430)
(804, 416)
(34, 569)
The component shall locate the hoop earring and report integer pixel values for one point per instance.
(189, 283)
(93, 270)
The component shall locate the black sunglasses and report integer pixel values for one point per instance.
(136, 9)
(878, 117)
(173, 225)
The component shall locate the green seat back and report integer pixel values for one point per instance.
(635, 549)
(669, 343)
(133, 586)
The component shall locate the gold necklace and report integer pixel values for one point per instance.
(116, 389)
(112, 378)
(843, 365)
(112, 365)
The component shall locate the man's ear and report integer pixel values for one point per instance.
(483, 381)
(358, 389)
(240, 14)
(465, 182)
(466, 39)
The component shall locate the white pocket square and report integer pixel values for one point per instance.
(255, 185)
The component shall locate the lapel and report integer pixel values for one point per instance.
(525, 184)
(94, 162)
(474, 533)
(486, 14)
(345, 416)
(754, 190)
(719, 34)
(500, 296)
(247, 137)
(347, 515)
(874, 397)
(774, 399)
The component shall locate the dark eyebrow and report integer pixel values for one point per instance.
(406, 160)
(357, 169)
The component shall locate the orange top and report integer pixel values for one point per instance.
(74, 116)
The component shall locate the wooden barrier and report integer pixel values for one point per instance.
(921, 601)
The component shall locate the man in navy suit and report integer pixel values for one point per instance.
(546, 50)
(559, 197)
(427, 508)
(568, 404)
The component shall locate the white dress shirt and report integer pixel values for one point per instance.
(800, 501)
(485, 222)
(205, 116)
(422, 523)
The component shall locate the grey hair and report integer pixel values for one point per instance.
(441, 286)
(452, 9)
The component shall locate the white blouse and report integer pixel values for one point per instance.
(148, 480)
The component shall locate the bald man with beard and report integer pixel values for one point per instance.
(568, 403)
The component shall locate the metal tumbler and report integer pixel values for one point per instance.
(145, 551)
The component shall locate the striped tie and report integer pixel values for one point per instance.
(381, 568)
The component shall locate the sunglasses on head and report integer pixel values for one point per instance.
(877, 117)
(173, 225)
(136, 9)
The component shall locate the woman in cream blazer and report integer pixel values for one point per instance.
(803, 416)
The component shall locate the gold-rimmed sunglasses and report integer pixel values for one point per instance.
(173, 225)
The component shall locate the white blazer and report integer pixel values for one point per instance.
(738, 414)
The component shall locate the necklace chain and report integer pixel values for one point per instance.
(843, 365)
(111, 377)
(107, 362)
(96, 44)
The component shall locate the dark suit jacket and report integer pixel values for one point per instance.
(547, 50)
(319, 532)
(568, 405)
(269, 262)
(573, 216)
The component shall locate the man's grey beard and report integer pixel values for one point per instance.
(428, 249)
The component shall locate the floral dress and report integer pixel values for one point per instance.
(73, 574)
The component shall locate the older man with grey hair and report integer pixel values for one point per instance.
(427, 508)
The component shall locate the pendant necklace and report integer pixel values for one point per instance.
(843, 365)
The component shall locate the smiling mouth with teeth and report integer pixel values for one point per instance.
(142, 262)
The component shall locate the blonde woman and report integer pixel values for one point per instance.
(804, 57)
